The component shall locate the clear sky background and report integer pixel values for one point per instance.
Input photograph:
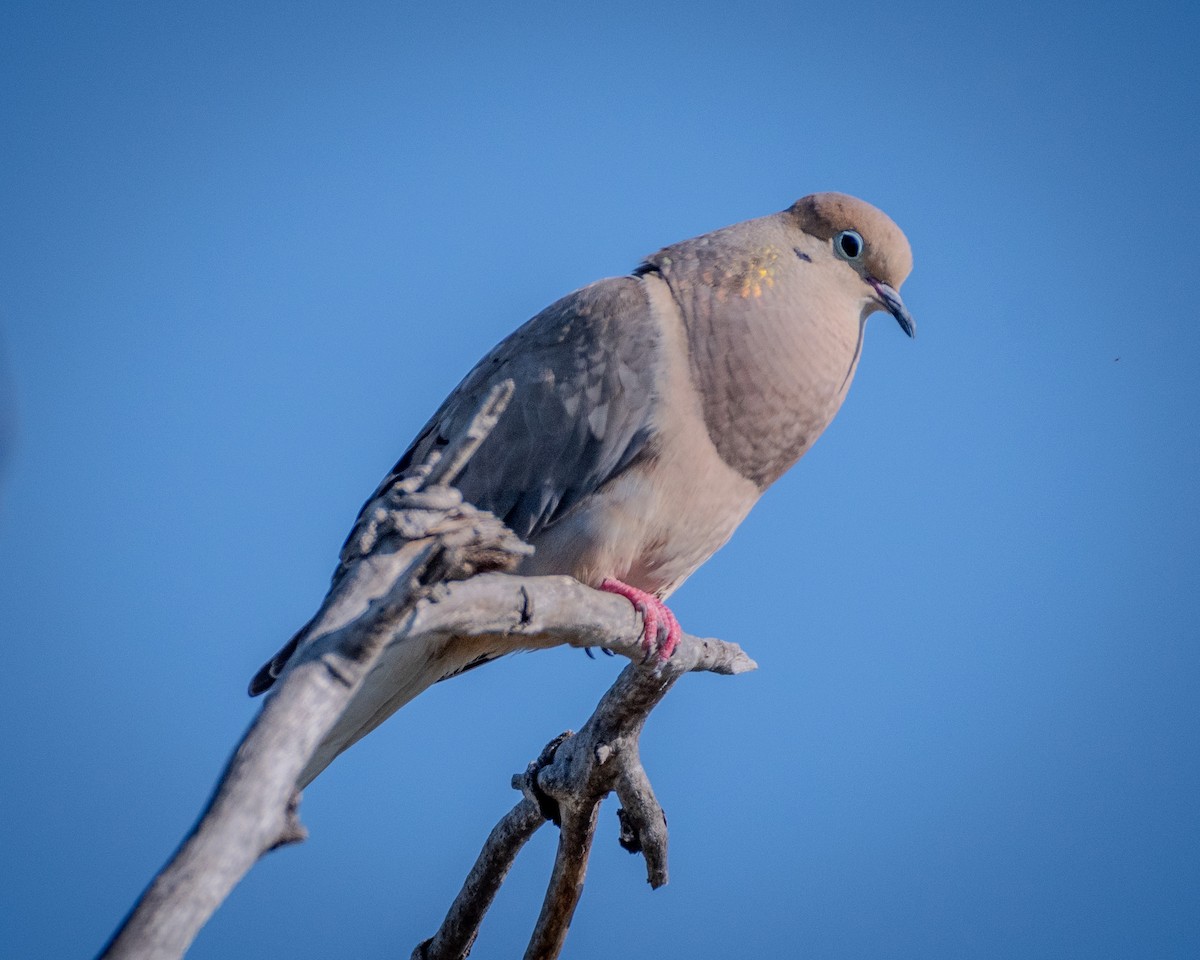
(245, 250)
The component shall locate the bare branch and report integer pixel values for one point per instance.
(643, 823)
(557, 611)
(575, 771)
(404, 578)
(566, 881)
(457, 933)
(426, 536)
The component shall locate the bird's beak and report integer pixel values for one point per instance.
(891, 302)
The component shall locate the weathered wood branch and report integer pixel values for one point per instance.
(568, 781)
(421, 534)
(404, 577)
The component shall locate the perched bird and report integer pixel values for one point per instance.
(651, 411)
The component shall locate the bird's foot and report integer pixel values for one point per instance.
(660, 630)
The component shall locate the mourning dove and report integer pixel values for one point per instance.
(651, 411)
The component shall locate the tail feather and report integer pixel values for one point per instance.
(404, 670)
(269, 672)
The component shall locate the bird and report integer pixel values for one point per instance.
(650, 412)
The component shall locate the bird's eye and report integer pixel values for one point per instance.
(848, 244)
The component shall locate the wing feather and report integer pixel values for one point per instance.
(584, 372)
(580, 414)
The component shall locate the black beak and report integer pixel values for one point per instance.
(890, 300)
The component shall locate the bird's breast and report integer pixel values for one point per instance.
(773, 370)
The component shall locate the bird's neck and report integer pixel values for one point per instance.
(771, 365)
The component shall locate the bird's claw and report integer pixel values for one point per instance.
(661, 632)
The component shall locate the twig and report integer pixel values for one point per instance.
(566, 880)
(457, 933)
(460, 450)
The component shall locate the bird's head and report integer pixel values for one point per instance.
(866, 240)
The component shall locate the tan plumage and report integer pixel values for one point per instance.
(651, 411)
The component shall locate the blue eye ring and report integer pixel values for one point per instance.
(849, 245)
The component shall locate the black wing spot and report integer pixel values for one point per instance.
(479, 661)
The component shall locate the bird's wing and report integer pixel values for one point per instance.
(579, 414)
(581, 411)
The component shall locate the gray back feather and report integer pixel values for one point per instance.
(581, 410)
(583, 370)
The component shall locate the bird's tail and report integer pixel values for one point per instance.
(402, 672)
(405, 667)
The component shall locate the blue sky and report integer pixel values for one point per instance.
(247, 248)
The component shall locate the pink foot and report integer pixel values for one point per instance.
(656, 618)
